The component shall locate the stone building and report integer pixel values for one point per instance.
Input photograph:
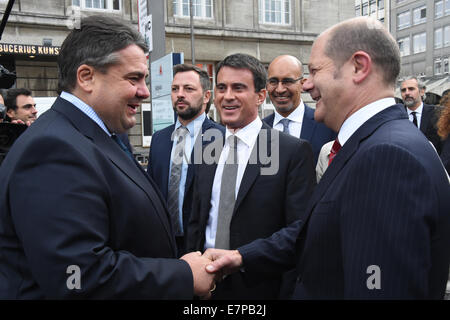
(262, 28)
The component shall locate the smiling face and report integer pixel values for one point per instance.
(285, 98)
(235, 97)
(327, 86)
(188, 99)
(118, 93)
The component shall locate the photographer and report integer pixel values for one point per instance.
(20, 106)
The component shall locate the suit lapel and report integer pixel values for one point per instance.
(308, 125)
(426, 115)
(199, 144)
(350, 147)
(165, 155)
(117, 156)
(252, 171)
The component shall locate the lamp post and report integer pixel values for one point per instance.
(191, 12)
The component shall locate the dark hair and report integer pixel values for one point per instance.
(245, 61)
(368, 35)
(95, 43)
(11, 97)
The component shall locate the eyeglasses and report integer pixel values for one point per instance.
(286, 82)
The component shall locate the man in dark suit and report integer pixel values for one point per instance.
(190, 97)
(424, 116)
(284, 86)
(263, 190)
(378, 224)
(79, 218)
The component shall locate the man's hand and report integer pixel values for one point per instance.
(28, 123)
(224, 261)
(203, 281)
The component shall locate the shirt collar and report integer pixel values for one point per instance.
(193, 126)
(86, 109)
(296, 115)
(247, 134)
(417, 111)
(356, 120)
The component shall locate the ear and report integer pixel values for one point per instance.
(85, 77)
(261, 96)
(11, 113)
(207, 96)
(362, 66)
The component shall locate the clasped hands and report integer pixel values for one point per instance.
(211, 267)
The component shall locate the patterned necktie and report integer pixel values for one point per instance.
(227, 196)
(334, 150)
(122, 146)
(285, 123)
(414, 118)
(174, 181)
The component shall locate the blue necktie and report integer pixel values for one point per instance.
(285, 123)
(122, 146)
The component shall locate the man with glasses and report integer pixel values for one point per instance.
(284, 85)
(20, 106)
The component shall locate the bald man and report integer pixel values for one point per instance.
(377, 226)
(285, 85)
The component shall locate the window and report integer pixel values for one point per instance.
(403, 20)
(380, 4)
(420, 15)
(438, 38)
(373, 6)
(201, 8)
(438, 9)
(404, 46)
(98, 4)
(446, 67)
(419, 42)
(437, 66)
(447, 36)
(365, 9)
(447, 7)
(358, 11)
(275, 11)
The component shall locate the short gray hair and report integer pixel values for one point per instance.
(368, 35)
(420, 83)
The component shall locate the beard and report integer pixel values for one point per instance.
(410, 102)
(191, 111)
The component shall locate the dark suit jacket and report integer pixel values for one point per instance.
(430, 116)
(264, 204)
(317, 134)
(70, 196)
(159, 163)
(382, 202)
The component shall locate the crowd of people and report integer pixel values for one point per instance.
(349, 200)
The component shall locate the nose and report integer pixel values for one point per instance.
(33, 110)
(142, 91)
(228, 94)
(280, 87)
(308, 85)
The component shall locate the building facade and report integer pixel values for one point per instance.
(262, 28)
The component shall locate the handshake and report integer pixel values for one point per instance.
(211, 267)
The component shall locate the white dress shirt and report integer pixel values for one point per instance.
(418, 112)
(356, 120)
(296, 117)
(246, 140)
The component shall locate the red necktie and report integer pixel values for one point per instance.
(334, 150)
